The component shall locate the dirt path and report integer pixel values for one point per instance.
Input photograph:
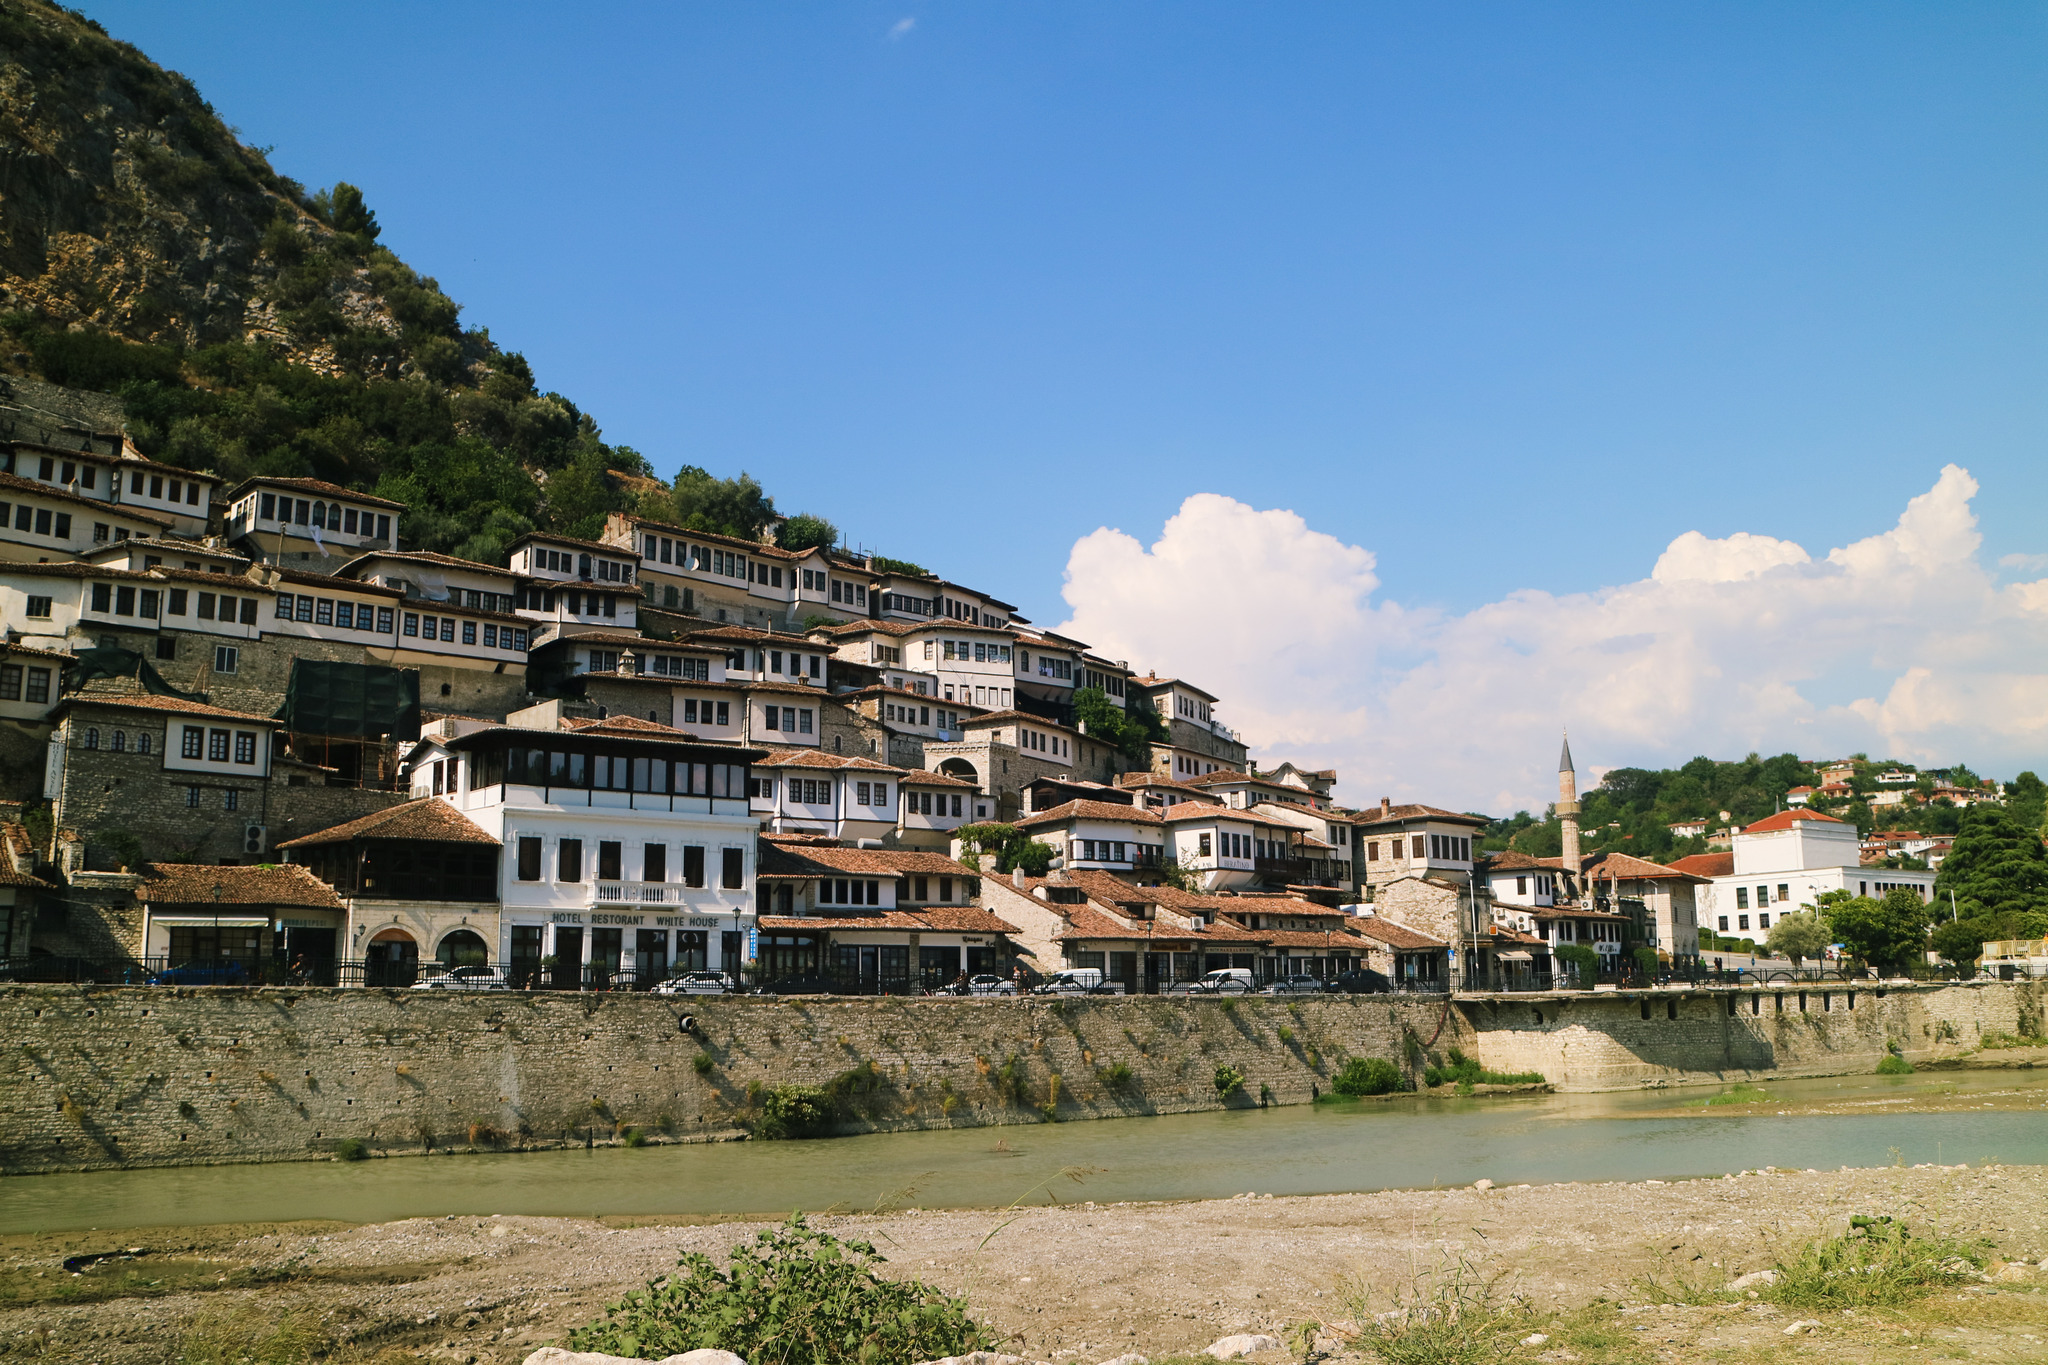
(1076, 1282)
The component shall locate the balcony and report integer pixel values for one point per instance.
(640, 893)
(1295, 869)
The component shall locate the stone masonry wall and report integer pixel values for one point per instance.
(165, 1076)
(1607, 1041)
(157, 1076)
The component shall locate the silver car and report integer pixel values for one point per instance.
(1299, 984)
(472, 978)
(697, 983)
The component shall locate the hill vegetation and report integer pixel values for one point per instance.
(250, 327)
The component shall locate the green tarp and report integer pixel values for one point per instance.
(351, 701)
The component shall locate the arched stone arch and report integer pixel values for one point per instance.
(462, 947)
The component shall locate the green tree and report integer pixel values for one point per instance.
(1961, 941)
(2026, 796)
(343, 207)
(1010, 847)
(1884, 933)
(807, 532)
(1132, 730)
(1997, 869)
(1799, 934)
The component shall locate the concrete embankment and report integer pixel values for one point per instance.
(138, 1076)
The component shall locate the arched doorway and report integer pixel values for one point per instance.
(463, 948)
(391, 959)
(962, 769)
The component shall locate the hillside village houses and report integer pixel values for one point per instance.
(272, 738)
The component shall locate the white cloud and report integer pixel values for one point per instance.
(900, 30)
(1900, 644)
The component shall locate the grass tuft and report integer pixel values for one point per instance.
(1876, 1263)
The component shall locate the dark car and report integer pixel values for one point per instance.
(228, 973)
(1362, 983)
(800, 985)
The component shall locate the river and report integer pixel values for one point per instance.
(1409, 1142)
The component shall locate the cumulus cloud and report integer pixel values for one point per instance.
(900, 30)
(1900, 644)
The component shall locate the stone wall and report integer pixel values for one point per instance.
(158, 1076)
(1610, 1040)
(164, 1076)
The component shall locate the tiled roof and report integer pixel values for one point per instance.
(428, 557)
(917, 778)
(141, 701)
(1629, 868)
(602, 547)
(939, 919)
(630, 727)
(1514, 860)
(813, 758)
(318, 487)
(1398, 814)
(331, 583)
(1566, 912)
(195, 883)
(15, 483)
(177, 543)
(35, 653)
(1706, 864)
(1091, 810)
(1197, 810)
(800, 859)
(1395, 935)
(427, 820)
(1789, 819)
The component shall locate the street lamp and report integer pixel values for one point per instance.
(216, 923)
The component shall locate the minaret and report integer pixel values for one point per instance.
(1568, 812)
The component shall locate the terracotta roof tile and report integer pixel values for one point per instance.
(140, 701)
(1706, 864)
(814, 758)
(317, 487)
(195, 883)
(1371, 816)
(1789, 819)
(944, 919)
(1091, 810)
(799, 859)
(427, 820)
(1395, 934)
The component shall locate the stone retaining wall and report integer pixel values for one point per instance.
(165, 1076)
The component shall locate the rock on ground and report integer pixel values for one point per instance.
(1243, 1344)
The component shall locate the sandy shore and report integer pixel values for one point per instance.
(1077, 1281)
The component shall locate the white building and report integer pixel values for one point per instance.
(309, 523)
(1788, 861)
(627, 845)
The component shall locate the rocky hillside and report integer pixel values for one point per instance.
(251, 327)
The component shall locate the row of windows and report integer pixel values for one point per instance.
(117, 740)
(1233, 845)
(1111, 683)
(1116, 851)
(150, 603)
(611, 857)
(156, 488)
(706, 712)
(326, 611)
(327, 516)
(212, 745)
(444, 627)
(14, 682)
(607, 772)
(998, 697)
(849, 891)
(1049, 666)
(39, 521)
(912, 606)
(983, 652)
(1045, 744)
(682, 666)
(1762, 922)
(1192, 767)
(930, 803)
(789, 719)
(87, 477)
(851, 594)
(1763, 895)
(1452, 848)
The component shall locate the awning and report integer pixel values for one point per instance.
(1516, 956)
(208, 921)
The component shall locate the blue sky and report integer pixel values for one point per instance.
(1510, 295)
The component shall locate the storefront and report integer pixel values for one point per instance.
(618, 950)
(215, 925)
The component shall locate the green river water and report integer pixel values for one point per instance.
(1405, 1143)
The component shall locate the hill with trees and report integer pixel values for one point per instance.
(251, 327)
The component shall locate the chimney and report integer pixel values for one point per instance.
(1386, 808)
(1017, 878)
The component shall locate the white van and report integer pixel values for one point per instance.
(1072, 981)
(1227, 981)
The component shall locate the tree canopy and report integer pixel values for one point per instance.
(1799, 934)
(1884, 932)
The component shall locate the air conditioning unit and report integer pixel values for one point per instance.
(255, 838)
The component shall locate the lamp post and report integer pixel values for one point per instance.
(216, 921)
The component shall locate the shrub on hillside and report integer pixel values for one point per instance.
(1368, 1076)
(795, 1296)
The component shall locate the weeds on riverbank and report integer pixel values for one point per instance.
(796, 1296)
(1742, 1093)
(1449, 1315)
(1876, 1263)
(1368, 1076)
(1465, 1071)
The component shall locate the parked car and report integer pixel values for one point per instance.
(475, 977)
(801, 985)
(1299, 984)
(1362, 983)
(1226, 981)
(698, 983)
(228, 973)
(986, 984)
(1072, 981)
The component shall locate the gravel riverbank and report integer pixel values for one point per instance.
(1077, 1281)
